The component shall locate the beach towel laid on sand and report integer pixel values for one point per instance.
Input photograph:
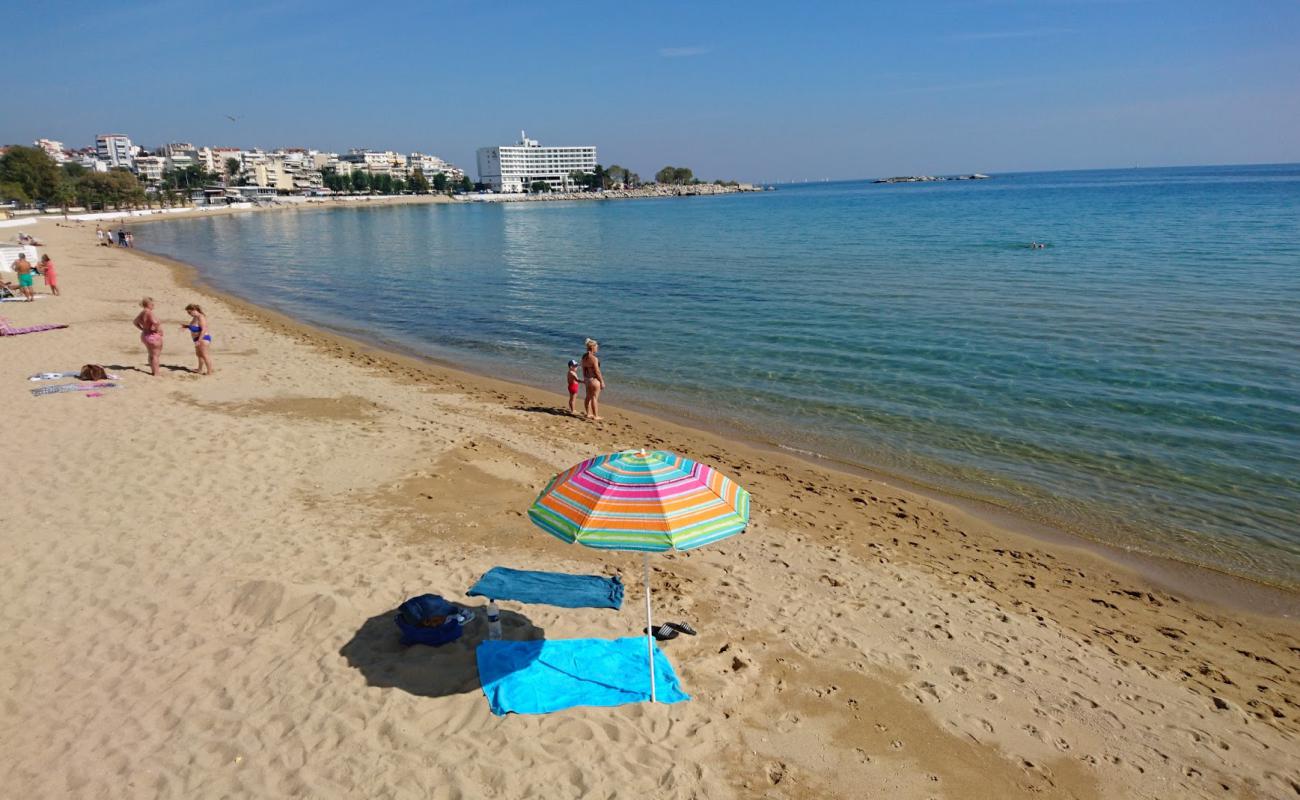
(7, 328)
(546, 675)
(18, 298)
(549, 588)
(73, 387)
(54, 376)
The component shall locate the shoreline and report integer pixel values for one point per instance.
(1199, 581)
(241, 541)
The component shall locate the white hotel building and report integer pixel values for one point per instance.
(513, 168)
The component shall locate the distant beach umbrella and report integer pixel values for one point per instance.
(652, 501)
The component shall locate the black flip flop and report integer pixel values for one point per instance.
(663, 633)
(682, 627)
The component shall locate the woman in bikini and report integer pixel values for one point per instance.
(198, 329)
(594, 378)
(150, 333)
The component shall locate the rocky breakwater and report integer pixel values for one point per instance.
(656, 190)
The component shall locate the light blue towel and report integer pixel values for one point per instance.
(547, 675)
(550, 588)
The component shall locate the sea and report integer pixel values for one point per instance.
(1136, 381)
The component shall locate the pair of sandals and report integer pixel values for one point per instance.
(671, 630)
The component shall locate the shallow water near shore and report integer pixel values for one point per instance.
(1137, 381)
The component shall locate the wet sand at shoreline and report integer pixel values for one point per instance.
(202, 571)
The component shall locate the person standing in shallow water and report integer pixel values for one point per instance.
(595, 380)
(571, 378)
(150, 333)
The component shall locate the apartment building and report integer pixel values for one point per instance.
(432, 165)
(115, 149)
(53, 149)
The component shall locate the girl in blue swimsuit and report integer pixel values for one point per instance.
(198, 329)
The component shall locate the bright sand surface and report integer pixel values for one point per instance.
(199, 576)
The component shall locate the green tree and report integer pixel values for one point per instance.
(539, 186)
(466, 184)
(382, 184)
(675, 175)
(33, 170)
(10, 191)
(440, 182)
(232, 167)
(65, 195)
(417, 182)
(331, 180)
(72, 170)
(399, 186)
(617, 174)
(116, 188)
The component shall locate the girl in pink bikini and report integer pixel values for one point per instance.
(150, 333)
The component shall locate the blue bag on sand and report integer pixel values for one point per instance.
(412, 614)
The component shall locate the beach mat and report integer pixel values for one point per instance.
(54, 376)
(7, 328)
(73, 387)
(545, 675)
(549, 588)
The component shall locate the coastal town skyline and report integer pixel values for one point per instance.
(838, 92)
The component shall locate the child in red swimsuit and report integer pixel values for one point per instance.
(573, 385)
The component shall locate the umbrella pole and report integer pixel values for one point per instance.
(649, 628)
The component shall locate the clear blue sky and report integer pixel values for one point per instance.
(758, 90)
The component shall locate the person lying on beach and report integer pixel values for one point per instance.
(572, 379)
(150, 334)
(26, 275)
(198, 328)
(595, 380)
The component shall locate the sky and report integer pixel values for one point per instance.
(759, 90)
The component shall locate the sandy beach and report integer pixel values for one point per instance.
(200, 575)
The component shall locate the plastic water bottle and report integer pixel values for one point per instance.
(493, 620)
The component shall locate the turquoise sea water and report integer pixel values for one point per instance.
(1138, 381)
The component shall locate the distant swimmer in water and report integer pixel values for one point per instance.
(1037, 245)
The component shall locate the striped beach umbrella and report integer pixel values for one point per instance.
(651, 501)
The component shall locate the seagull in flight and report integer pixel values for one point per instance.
(232, 119)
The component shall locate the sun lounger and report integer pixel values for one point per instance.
(7, 328)
(549, 588)
(544, 675)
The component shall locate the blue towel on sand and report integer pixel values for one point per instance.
(547, 675)
(550, 588)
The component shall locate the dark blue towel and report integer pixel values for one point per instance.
(547, 675)
(550, 588)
